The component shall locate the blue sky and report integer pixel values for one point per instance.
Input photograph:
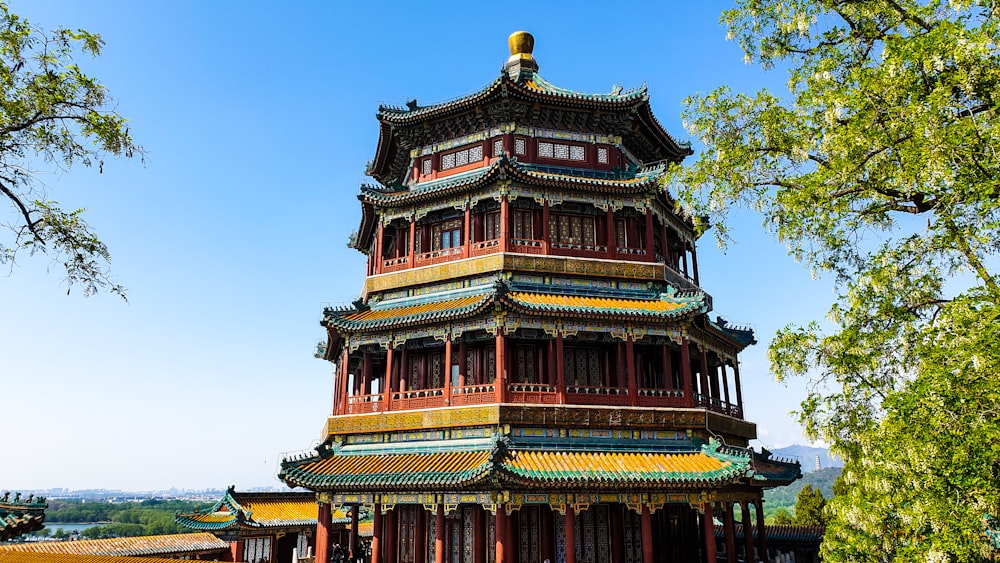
(259, 120)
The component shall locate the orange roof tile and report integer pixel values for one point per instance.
(135, 546)
(549, 301)
(412, 310)
(268, 510)
(620, 467)
(400, 470)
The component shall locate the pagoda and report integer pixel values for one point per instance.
(530, 374)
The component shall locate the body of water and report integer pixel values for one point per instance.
(72, 526)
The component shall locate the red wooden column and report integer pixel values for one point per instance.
(560, 370)
(392, 535)
(404, 372)
(664, 247)
(708, 525)
(376, 535)
(461, 365)
(647, 535)
(413, 242)
(686, 373)
(668, 369)
(377, 259)
(500, 531)
(761, 535)
(467, 233)
(324, 523)
(439, 533)
(650, 255)
(570, 520)
(725, 386)
(617, 533)
(546, 235)
(612, 241)
(704, 387)
(747, 531)
(694, 264)
(387, 380)
(366, 374)
(633, 386)
(341, 403)
(504, 224)
(447, 370)
(730, 530)
(420, 535)
(353, 547)
(739, 388)
(500, 383)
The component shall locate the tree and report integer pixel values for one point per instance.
(51, 113)
(878, 168)
(781, 517)
(809, 507)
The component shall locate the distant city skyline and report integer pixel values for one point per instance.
(232, 237)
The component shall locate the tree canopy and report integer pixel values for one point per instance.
(879, 168)
(809, 507)
(52, 114)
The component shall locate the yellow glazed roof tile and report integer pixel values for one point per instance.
(412, 310)
(134, 546)
(548, 300)
(9, 556)
(620, 466)
(267, 510)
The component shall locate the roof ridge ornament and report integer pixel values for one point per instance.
(520, 66)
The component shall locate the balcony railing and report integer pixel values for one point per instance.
(485, 247)
(537, 394)
(526, 246)
(438, 256)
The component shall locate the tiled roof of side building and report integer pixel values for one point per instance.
(20, 516)
(258, 510)
(786, 533)
(141, 546)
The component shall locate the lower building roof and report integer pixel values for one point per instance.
(257, 511)
(141, 546)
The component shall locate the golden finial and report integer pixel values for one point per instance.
(521, 64)
(521, 43)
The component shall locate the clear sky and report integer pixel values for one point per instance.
(259, 119)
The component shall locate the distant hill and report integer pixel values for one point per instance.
(785, 497)
(806, 455)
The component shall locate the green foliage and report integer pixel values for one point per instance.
(51, 113)
(147, 518)
(821, 480)
(879, 168)
(781, 517)
(809, 507)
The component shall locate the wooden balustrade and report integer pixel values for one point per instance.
(360, 404)
(532, 393)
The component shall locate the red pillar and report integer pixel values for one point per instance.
(500, 384)
(366, 374)
(761, 534)
(617, 533)
(709, 528)
(500, 531)
(447, 370)
(504, 224)
(612, 241)
(633, 386)
(413, 241)
(686, 373)
(420, 535)
(466, 233)
(747, 531)
(439, 535)
(730, 530)
(668, 369)
(387, 380)
(704, 388)
(545, 227)
(392, 535)
(739, 387)
(570, 520)
(324, 523)
(377, 259)
(650, 255)
(376, 535)
(343, 381)
(402, 379)
(725, 385)
(352, 548)
(560, 370)
(647, 535)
